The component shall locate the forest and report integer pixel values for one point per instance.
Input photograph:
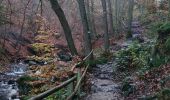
(84, 49)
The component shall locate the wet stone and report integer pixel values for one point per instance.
(11, 82)
(104, 96)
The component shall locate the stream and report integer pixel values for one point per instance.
(101, 79)
(8, 86)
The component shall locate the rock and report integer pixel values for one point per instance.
(104, 96)
(101, 85)
(30, 62)
(3, 97)
(127, 86)
(64, 56)
(139, 38)
(57, 35)
(38, 72)
(14, 97)
(54, 79)
(11, 82)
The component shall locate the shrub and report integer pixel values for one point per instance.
(135, 56)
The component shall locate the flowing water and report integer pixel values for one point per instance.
(8, 85)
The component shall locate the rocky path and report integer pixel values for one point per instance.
(103, 87)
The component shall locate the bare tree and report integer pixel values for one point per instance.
(59, 12)
(169, 9)
(106, 35)
(88, 12)
(86, 30)
(92, 18)
(111, 17)
(130, 18)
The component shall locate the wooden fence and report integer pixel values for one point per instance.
(72, 89)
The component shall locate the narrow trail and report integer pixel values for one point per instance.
(103, 87)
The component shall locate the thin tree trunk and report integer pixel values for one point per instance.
(116, 16)
(89, 17)
(130, 18)
(59, 12)
(111, 17)
(169, 8)
(92, 18)
(106, 36)
(41, 8)
(86, 30)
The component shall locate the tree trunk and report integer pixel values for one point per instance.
(59, 12)
(111, 17)
(130, 18)
(92, 18)
(116, 16)
(86, 31)
(88, 12)
(106, 36)
(169, 8)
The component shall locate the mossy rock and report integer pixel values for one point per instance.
(40, 59)
(23, 85)
(41, 48)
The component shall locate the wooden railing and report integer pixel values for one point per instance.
(72, 89)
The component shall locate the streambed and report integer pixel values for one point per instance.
(8, 86)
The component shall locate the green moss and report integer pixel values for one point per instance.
(40, 59)
(41, 48)
(42, 32)
(23, 85)
(39, 38)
